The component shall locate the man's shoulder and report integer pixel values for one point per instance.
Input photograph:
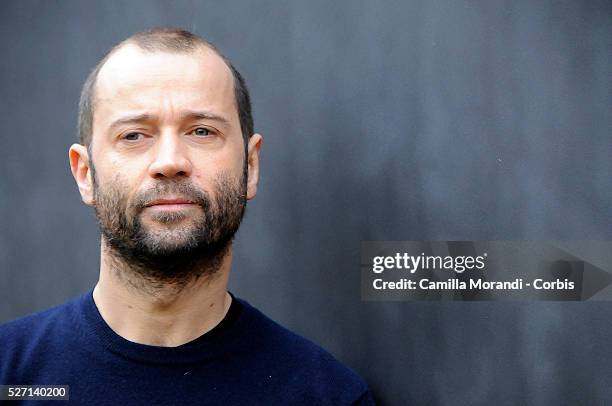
(40, 317)
(24, 332)
(308, 363)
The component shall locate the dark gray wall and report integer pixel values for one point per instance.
(382, 120)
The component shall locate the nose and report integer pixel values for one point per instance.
(170, 159)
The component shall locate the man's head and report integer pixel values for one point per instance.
(166, 120)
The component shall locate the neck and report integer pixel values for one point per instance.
(156, 312)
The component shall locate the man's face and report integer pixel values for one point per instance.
(170, 166)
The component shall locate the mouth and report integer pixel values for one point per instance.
(170, 204)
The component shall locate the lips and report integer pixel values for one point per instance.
(178, 201)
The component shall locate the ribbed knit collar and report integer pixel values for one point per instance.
(214, 343)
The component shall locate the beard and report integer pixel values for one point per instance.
(181, 245)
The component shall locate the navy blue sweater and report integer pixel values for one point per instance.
(247, 359)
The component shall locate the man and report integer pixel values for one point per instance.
(168, 158)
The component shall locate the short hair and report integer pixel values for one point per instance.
(159, 40)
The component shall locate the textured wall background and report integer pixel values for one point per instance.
(382, 120)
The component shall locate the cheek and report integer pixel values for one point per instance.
(111, 192)
(119, 174)
(229, 161)
(237, 157)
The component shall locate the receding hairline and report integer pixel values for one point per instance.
(200, 47)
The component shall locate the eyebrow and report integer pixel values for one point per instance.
(129, 119)
(192, 114)
(206, 115)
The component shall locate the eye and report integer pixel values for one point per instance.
(201, 132)
(133, 136)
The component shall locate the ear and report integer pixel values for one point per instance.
(255, 142)
(79, 165)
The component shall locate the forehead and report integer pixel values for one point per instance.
(135, 79)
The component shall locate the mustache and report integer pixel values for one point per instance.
(165, 189)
